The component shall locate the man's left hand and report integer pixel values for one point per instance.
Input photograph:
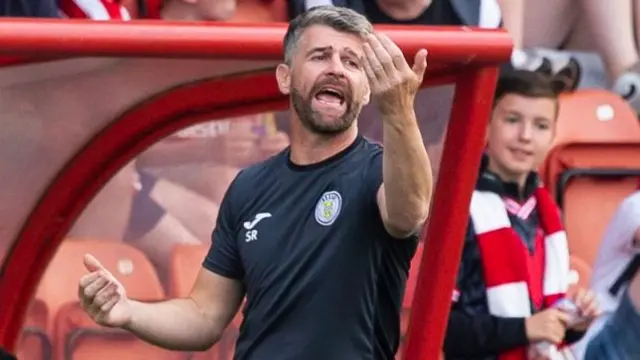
(588, 306)
(393, 83)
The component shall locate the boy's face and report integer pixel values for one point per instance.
(520, 134)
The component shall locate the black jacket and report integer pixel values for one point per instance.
(472, 332)
(467, 10)
(29, 8)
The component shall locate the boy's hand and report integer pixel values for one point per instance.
(589, 308)
(548, 325)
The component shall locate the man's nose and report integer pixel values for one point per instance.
(336, 67)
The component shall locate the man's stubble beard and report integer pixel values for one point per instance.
(312, 120)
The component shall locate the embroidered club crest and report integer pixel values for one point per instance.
(328, 208)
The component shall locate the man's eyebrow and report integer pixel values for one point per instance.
(320, 49)
(352, 53)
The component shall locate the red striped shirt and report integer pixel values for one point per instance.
(94, 9)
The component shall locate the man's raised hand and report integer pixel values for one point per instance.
(102, 296)
(393, 83)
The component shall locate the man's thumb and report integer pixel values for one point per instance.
(420, 63)
(92, 264)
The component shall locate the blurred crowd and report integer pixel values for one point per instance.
(588, 42)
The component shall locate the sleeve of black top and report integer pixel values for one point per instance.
(481, 334)
(223, 258)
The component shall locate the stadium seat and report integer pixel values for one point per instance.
(589, 204)
(186, 262)
(34, 342)
(75, 335)
(593, 164)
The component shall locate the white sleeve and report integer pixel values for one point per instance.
(625, 223)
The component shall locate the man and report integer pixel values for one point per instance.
(318, 237)
(515, 261)
(617, 263)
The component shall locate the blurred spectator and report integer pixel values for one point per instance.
(178, 10)
(617, 262)
(107, 215)
(193, 10)
(586, 25)
(184, 178)
(29, 8)
(484, 13)
(93, 9)
(618, 340)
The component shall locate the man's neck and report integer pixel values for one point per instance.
(403, 10)
(308, 148)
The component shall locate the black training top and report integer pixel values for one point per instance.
(324, 279)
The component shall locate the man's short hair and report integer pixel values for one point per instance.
(527, 83)
(338, 18)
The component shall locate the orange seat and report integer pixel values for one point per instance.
(593, 164)
(75, 335)
(589, 205)
(186, 262)
(34, 343)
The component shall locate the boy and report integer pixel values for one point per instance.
(515, 258)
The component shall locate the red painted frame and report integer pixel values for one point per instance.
(474, 55)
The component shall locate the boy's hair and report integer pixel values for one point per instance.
(528, 84)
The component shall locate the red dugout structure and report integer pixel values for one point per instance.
(208, 72)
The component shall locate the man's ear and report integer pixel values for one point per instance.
(367, 95)
(283, 76)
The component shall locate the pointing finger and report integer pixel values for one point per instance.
(88, 279)
(374, 64)
(381, 54)
(104, 295)
(92, 289)
(397, 57)
(113, 300)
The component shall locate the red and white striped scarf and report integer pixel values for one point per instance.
(504, 257)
